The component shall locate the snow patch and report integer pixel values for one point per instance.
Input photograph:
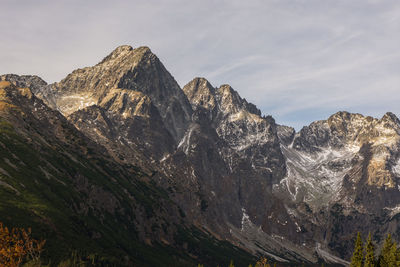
(396, 168)
(393, 211)
(71, 103)
(316, 177)
(165, 157)
(185, 141)
(245, 219)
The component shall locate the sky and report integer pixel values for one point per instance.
(297, 60)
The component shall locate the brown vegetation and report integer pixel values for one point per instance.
(17, 246)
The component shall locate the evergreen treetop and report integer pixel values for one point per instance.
(358, 254)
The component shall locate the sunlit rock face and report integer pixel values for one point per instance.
(322, 155)
(128, 102)
(125, 68)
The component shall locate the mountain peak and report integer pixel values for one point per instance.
(124, 51)
(232, 102)
(32, 81)
(91, 84)
(202, 82)
(226, 89)
(344, 116)
(125, 68)
(123, 48)
(345, 120)
(200, 92)
(390, 117)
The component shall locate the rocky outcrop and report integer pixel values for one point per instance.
(33, 82)
(128, 124)
(329, 150)
(241, 126)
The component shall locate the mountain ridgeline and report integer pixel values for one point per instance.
(117, 160)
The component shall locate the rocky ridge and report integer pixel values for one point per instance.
(233, 172)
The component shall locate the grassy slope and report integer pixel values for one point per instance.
(43, 176)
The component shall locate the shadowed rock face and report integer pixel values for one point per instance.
(233, 172)
(332, 173)
(345, 170)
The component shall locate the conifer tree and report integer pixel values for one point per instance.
(369, 253)
(386, 257)
(392, 259)
(398, 256)
(358, 254)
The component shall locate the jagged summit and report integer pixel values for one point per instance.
(239, 124)
(232, 102)
(337, 159)
(125, 68)
(391, 119)
(200, 92)
(346, 116)
(124, 51)
(345, 127)
(32, 81)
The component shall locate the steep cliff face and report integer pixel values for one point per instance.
(340, 171)
(244, 160)
(126, 68)
(227, 170)
(128, 102)
(324, 158)
(345, 170)
(240, 124)
(128, 124)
